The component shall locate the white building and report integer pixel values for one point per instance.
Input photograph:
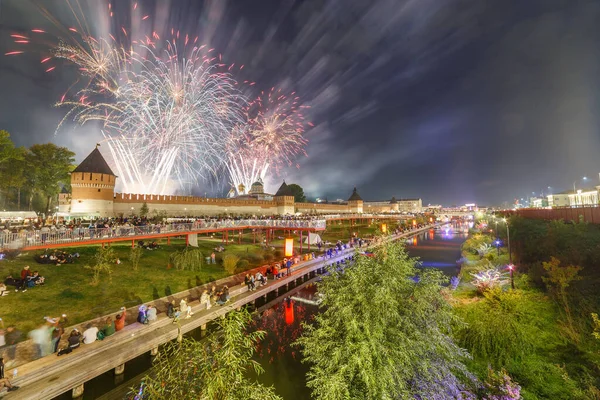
(577, 198)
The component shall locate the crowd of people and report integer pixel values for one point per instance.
(27, 280)
(57, 257)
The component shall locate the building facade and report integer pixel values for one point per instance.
(574, 198)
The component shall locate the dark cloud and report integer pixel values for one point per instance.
(453, 101)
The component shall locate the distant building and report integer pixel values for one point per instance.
(558, 200)
(577, 198)
(394, 205)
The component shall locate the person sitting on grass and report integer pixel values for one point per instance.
(37, 279)
(109, 327)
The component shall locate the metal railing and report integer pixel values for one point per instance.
(78, 234)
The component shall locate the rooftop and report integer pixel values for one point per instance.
(355, 196)
(94, 163)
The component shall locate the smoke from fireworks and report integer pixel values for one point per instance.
(170, 109)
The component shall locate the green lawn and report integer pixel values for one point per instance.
(68, 290)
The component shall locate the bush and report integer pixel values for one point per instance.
(268, 257)
(489, 279)
(254, 258)
(243, 264)
(187, 259)
(500, 386)
(134, 256)
(498, 328)
(278, 254)
(230, 262)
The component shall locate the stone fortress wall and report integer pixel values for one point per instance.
(93, 184)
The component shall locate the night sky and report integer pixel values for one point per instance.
(453, 101)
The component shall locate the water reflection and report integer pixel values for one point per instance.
(282, 361)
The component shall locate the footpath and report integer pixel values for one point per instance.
(51, 376)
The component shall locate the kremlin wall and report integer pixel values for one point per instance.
(93, 184)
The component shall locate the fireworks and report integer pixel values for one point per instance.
(272, 137)
(170, 109)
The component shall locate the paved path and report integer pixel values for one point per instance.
(51, 376)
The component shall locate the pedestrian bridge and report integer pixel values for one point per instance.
(40, 239)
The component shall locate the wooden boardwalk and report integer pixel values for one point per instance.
(51, 376)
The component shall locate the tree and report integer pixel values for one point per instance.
(558, 279)
(383, 333)
(213, 371)
(10, 158)
(144, 210)
(14, 174)
(297, 192)
(104, 259)
(48, 165)
(134, 256)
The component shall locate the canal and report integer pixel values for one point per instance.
(282, 323)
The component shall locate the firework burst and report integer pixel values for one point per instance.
(170, 109)
(271, 138)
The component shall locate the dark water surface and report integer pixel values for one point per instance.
(282, 322)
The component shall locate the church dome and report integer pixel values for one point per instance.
(257, 187)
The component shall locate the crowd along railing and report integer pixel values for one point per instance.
(48, 236)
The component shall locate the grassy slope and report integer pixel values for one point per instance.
(555, 366)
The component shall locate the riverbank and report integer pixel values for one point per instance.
(524, 331)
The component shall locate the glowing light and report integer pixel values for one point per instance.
(289, 247)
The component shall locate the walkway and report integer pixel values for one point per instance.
(35, 240)
(51, 376)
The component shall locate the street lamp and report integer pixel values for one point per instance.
(508, 240)
(497, 242)
(575, 190)
(511, 266)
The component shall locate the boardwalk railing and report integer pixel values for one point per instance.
(63, 236)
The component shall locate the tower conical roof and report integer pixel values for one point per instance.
(283, 190)
(355, 196)
(94, 163)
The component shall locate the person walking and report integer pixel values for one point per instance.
(213, 259)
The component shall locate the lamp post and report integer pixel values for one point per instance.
(498, 245)
(511, 266)
(575, 190)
